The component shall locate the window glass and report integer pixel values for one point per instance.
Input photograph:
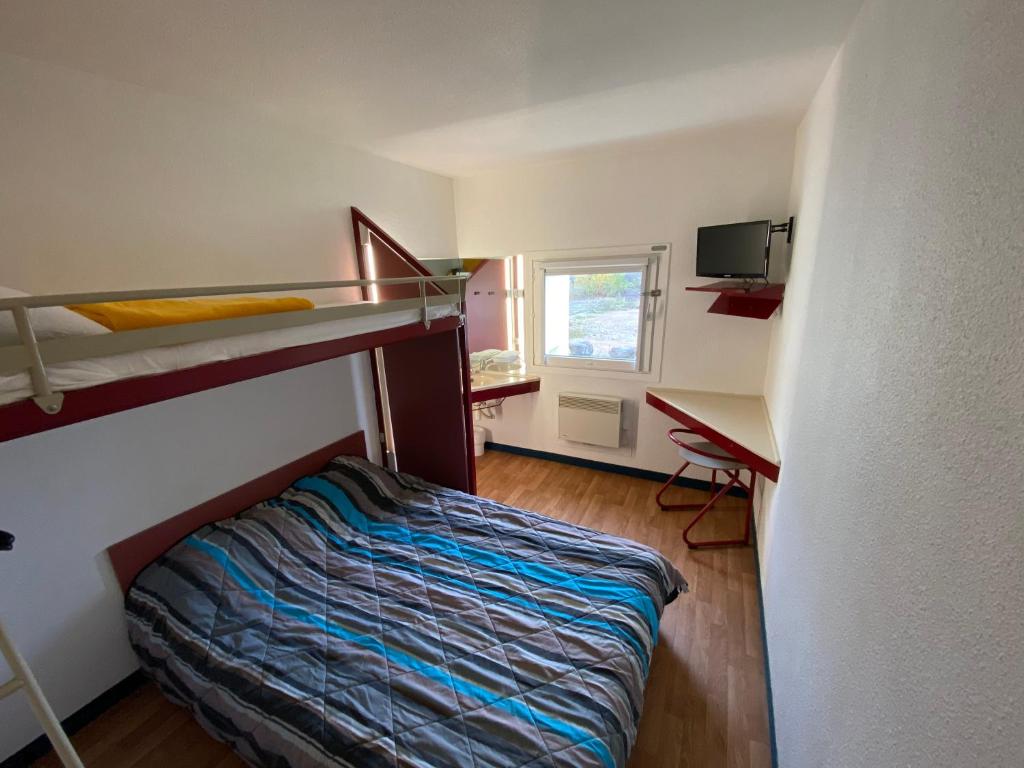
(594, 315)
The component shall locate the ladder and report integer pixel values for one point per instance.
(24, 680)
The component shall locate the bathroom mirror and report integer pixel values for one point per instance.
(494, 313)
(494, 310)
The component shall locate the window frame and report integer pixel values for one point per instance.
(653, 261)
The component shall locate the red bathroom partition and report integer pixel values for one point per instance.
(427, 380)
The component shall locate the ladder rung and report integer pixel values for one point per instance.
(12, 685)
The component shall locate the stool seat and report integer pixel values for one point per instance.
(720, 460)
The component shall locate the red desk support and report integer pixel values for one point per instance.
(766, 465)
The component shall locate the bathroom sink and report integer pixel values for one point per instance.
(482, 381)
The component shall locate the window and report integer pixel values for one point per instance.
(596, 312)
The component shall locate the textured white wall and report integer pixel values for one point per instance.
(107, 186)
(893, 571)
(795, 268)
(658, 191)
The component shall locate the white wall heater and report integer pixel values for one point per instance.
(593, 419)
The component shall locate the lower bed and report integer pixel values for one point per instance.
(368, 618)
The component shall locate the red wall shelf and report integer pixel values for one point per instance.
(743, 300)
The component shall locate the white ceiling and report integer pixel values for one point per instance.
(455, 86)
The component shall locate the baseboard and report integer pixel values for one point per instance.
(764, 653)
(78, 720)
(619, 469)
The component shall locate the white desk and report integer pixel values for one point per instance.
(737, 423)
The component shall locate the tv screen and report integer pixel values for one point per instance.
(733, 250)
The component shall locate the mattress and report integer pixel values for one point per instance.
(79, 374)
(368, 618)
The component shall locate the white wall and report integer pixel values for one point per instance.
(108, 186)
(657, 191)
(893, 568)
(71, 493)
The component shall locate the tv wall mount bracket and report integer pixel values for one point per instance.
(787, 228)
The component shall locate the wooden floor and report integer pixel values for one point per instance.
(705, 704)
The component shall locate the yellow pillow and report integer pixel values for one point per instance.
(149, 313)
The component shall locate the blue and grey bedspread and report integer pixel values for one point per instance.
(368, 618)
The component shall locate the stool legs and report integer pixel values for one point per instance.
(734, 480)
(733, 476)
(668, 485)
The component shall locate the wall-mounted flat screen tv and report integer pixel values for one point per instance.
(734, 250)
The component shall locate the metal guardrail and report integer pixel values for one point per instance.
(33, 355)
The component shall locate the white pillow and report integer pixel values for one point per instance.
(47, 322)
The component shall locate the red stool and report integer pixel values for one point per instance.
(710, 456)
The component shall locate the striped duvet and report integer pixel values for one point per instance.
(368, 618)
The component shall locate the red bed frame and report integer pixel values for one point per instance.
(26, 418)
(130, 556)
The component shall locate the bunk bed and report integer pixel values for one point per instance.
(164, 349)
(339, 612)
(406, 318)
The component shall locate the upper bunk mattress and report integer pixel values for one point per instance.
(79, 374)
(368, 618)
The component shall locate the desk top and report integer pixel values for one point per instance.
(737, 423)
